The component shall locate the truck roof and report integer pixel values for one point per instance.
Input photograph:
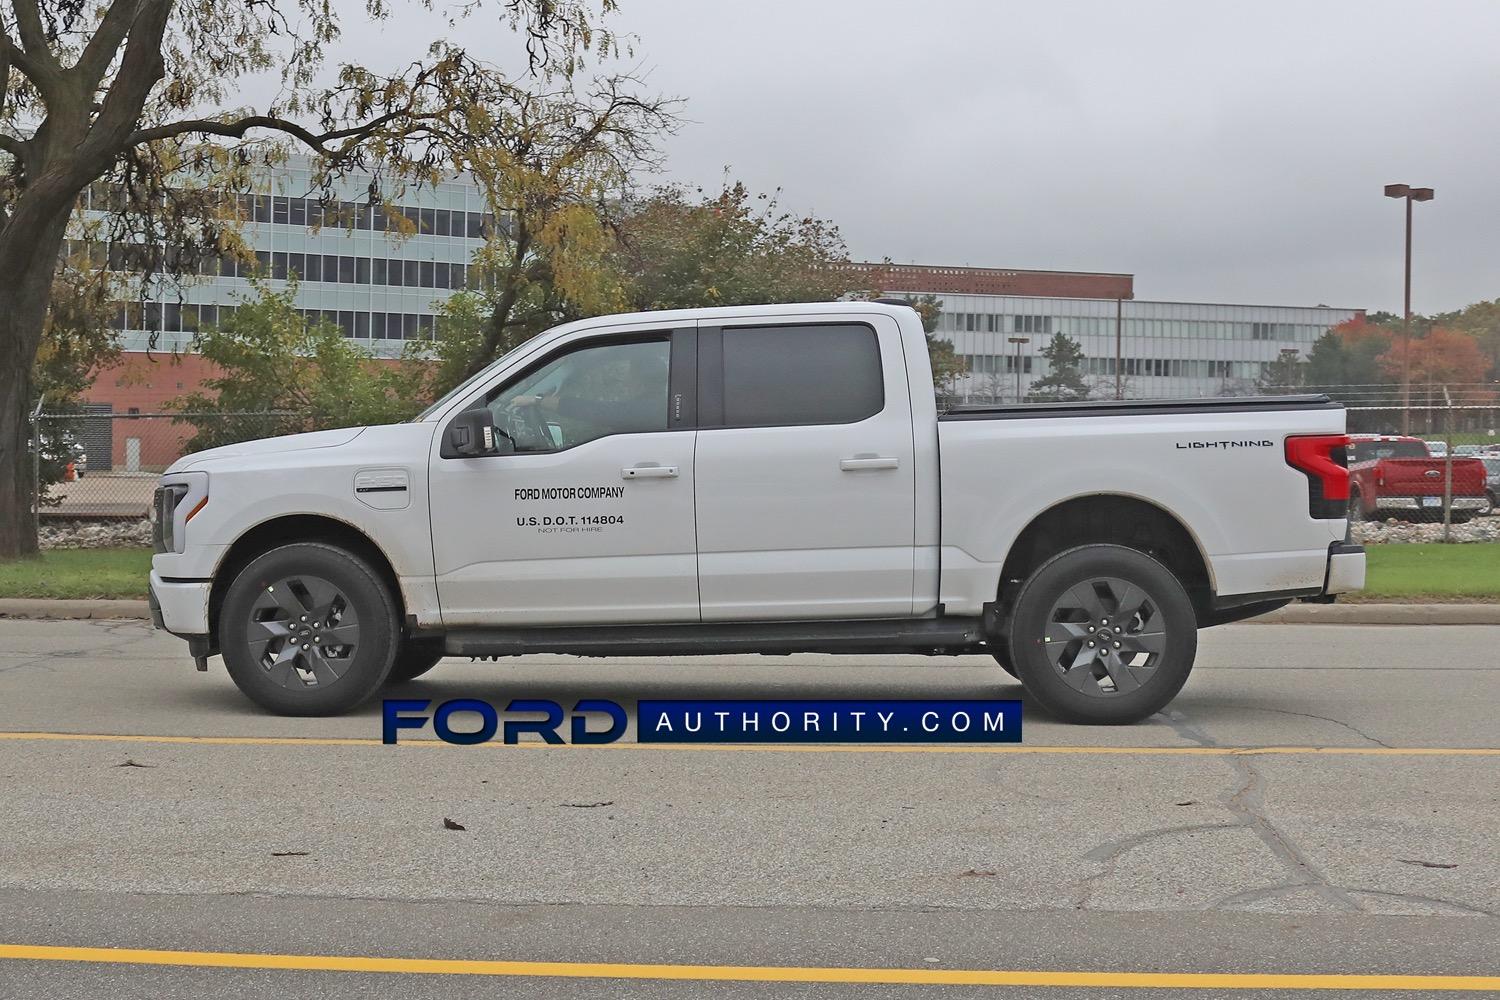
(667, 316)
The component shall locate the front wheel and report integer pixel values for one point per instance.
(413, 659)
(1103, 634)
(308, 629)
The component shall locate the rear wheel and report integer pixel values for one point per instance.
(1103, 634)
(308, 629)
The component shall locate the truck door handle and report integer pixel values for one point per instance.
(859, 462)
(649, 472)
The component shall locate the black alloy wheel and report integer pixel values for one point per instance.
(1103, 634)
(308, 629)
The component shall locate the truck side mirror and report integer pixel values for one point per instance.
(472, 434)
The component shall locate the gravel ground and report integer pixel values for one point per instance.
(1393, 532)
(93, 534)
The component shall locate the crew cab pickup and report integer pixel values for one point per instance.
(1396, 476)
(769, 479)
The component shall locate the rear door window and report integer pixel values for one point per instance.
(783, 375)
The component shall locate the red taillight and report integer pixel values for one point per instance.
(1323, 459)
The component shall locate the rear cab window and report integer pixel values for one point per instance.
(777, 376)
(1370, 451)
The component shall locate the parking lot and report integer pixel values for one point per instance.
(1321, 801)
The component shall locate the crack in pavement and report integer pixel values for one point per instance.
(1240, 899)
(1110, 852)
(1323, 718)
(132, 636)
(1248, 807)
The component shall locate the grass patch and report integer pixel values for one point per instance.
(78, 573)
(1432, 572)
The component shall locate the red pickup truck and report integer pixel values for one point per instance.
(1394, 476)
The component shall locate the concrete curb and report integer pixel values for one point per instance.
(1382, 614)
(1292, 614)
(22, 607)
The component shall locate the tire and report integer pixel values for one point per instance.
(1002, 657)
(308, 591)
(414, 659)
(1068, 601)
(1490, 504)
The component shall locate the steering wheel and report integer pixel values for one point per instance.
(527, 429)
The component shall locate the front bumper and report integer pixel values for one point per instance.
(1346, 568)
(180, 606)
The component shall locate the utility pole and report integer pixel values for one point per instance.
(1018, 341)
(1411, 194)
(1119, 363)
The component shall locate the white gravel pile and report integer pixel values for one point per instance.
(1393, 532)
(93, 534)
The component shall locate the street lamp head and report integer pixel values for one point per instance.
(1421, 194)
(1397, 190)
(1019, 340)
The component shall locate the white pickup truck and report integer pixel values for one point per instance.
(770, 479)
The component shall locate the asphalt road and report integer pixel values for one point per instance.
(1091, 863)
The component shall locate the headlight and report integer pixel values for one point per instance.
(177, 499)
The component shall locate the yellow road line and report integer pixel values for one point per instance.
(1023, 748)
(752, 973)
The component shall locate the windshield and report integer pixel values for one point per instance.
(467, 383)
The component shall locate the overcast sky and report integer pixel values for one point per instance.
(1219, 152)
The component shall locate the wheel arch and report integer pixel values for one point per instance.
(1110, 518)
(286, 529)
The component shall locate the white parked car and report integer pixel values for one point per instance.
(766, 479)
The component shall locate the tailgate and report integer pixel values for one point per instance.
(1415, 477)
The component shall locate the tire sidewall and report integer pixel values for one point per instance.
(361, 586)
(414, 659)
(1034, 604)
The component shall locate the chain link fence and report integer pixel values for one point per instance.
(105, 465)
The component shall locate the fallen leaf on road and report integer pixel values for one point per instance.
(288, 854)
(978, 872)
(449, 824)
(1424, 864)
(130, 763)
(583, 805)
(1188, 802)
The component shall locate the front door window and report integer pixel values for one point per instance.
(589, 393)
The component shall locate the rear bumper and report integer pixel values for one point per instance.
(1346, 568)
(1425, 503)
(180, 606)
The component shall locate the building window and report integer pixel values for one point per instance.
(1032, 324)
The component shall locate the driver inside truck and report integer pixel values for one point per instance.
(611, 389)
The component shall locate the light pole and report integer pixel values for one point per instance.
(1018, 341)
(1411, 194)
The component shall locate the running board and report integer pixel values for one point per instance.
(888, 635)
